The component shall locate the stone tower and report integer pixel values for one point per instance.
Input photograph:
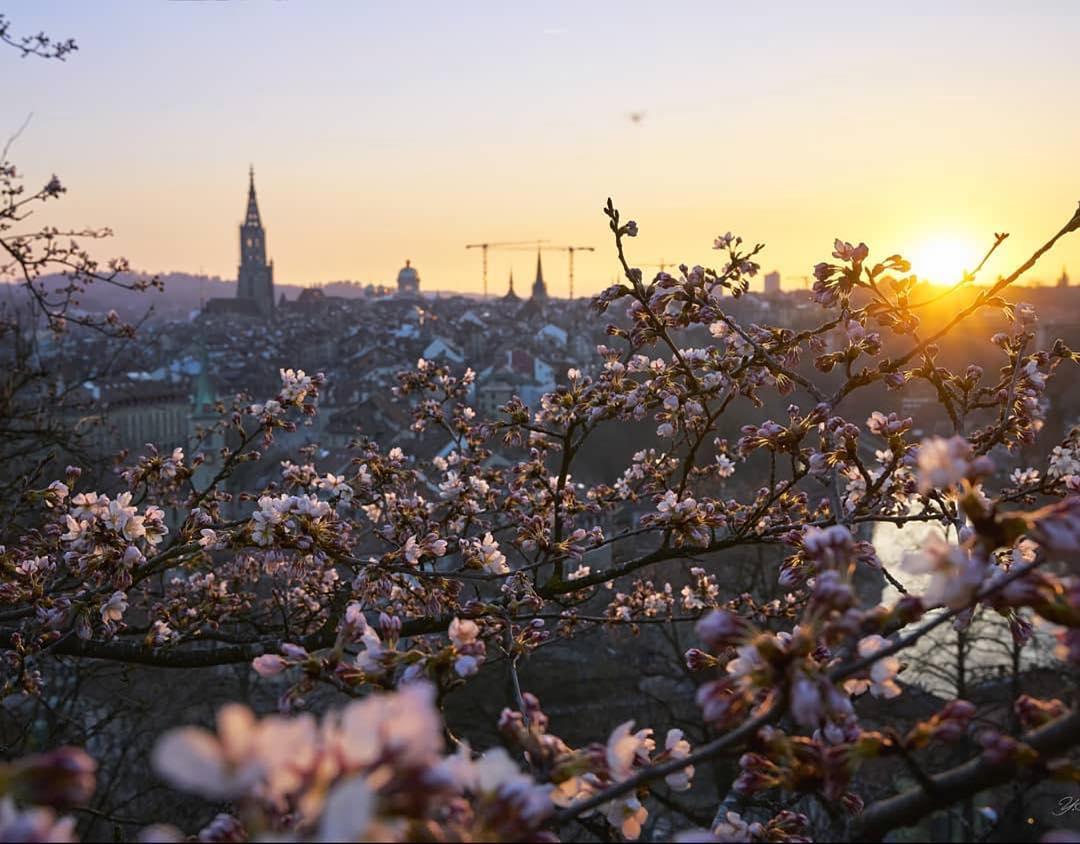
(255, 278)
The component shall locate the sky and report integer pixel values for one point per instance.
(384, 131)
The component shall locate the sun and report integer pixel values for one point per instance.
(943, 259)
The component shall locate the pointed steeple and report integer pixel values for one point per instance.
(255, 278)
(252, 216)
(539, 289)
(204, 392)
(511, 296)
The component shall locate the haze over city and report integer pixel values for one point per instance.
(381, 133)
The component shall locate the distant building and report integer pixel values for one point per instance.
(511, 296)
(204, 415)
(441, 349)
(311, 297)
(130, 411)
(551, 335)
(539, 288)
(1064, 280)
(515, 372)
(772, 282)
(495, 392)
(408, 281)
(204, 397)
(255, 276)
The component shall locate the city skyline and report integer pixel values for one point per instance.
(387, 140)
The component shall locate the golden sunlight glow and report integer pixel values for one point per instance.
(943, 259)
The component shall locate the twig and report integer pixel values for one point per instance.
(716, 747)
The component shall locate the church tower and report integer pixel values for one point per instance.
(255, 278)
(539, 288)
(511, 296)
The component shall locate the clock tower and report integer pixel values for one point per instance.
(255, 278)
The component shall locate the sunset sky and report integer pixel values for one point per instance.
(383, 131)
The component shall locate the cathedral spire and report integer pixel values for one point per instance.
(539, 289)
(252, 216)
(511, 296)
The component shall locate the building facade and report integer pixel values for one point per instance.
(408, 281)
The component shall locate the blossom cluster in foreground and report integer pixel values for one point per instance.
(393, 581)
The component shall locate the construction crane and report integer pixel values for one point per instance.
(509, 244)
(569, 250)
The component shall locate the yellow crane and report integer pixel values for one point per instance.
(507, 244)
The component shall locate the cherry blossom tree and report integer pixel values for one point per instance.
(35, 45)
(52, 268)
(393, 582)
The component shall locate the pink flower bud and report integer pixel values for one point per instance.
(269, 665)
(720, 628)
